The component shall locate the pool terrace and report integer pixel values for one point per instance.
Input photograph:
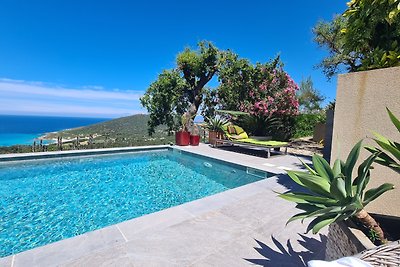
(237, 227)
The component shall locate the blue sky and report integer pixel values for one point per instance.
(95, 58)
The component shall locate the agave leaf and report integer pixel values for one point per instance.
(327, 210)
(395, 167)
(307, 198)
(381, 155)
(298, 216)
(314, 183)
(308, 167)
(372, 194)
(321, 224)
(318, 223)
(342, 165)
(338, 188)
(310, 207)
(385, 160)
(397, 145)
(372, 149)
(389, 147)
(393, 118)
(295, 178)
(350, 162)
(322, 167)
(363, 173)
(380, 138)
(337, 168)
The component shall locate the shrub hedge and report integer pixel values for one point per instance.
(304, 124)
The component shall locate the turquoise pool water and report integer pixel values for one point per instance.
(43, 201)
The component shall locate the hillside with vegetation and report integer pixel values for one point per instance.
(131, 130)
(126, 131)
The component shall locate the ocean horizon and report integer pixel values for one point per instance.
(23, 130)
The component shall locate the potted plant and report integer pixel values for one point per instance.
(194, 136)
(335, 197)
(182, 137)
(214, 126)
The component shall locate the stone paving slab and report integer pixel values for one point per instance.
(238, 227)
(71, 248)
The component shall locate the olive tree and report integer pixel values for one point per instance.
(181, 89)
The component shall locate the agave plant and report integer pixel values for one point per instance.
(261, 126)
(215, 124)
(335, 195)
(389, 151)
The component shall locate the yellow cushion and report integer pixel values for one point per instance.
(231, 130)
(238, 129)
(239, 136)
(243, 135)
(235, 137)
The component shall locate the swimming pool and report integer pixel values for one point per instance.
(46, 200)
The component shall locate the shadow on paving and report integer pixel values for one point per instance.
(289, 184)
(286, 255)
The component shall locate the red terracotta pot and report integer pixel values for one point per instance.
(213, 136)
(194, 140)
(182, 138)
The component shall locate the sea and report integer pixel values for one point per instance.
(23, 130)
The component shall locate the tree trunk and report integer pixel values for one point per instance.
(370, 222)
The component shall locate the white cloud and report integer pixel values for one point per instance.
(22, 97)
(92, 92)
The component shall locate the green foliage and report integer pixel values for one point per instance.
(130, 128)
(367, 36)
(328, 35)
(331, 105)
(210, 103)
(176, 90)
(373, 31)
(310, 99)
(373, 236)
(334, 195)
(166, 100)
(237, 78)
(305, 123)
(215, 124)
(265, 91)
(388, 150)
(260, 125)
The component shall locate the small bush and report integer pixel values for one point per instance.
(304, 124)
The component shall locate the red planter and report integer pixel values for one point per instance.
(182, 138)
(194, 140)
(213, 136)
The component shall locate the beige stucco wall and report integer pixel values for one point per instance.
(361, 99)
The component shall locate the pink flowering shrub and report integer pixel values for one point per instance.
(275, 96)
(265, 91)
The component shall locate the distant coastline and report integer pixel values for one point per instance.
(23, 130)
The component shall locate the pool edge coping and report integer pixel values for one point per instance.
(81, 152)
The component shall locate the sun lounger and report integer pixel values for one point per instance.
(241, 138)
